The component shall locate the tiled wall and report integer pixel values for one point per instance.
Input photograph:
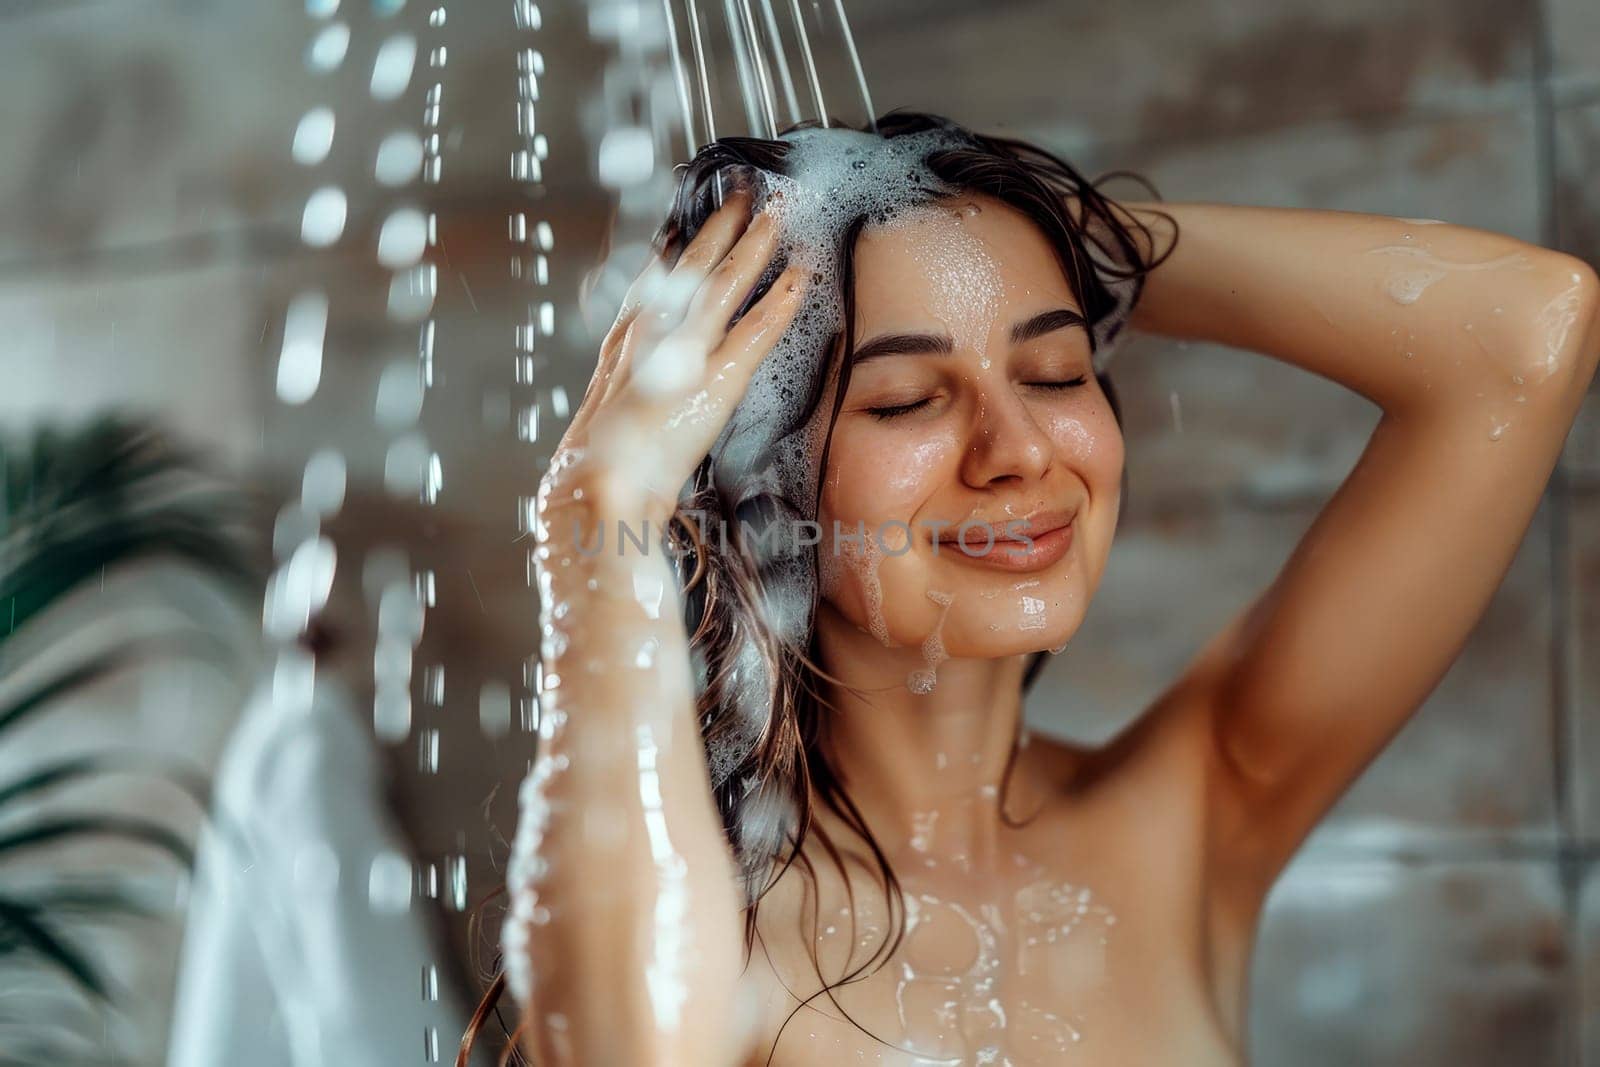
(1448, 912)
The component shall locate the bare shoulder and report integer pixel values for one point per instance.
(1156, 790)
(1171, 739)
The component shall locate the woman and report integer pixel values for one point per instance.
(786, 812)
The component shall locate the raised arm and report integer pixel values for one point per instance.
(625, 932)
(1478, 348)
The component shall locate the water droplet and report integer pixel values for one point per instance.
(322, 485)
(403, 238)
(399, 158)
(405, 465)
(411, 292)
(389, 883)
(327, 49)
(300, 360)
(399, 401)
(313, 136)
(391, 68)
(494, 709)
(626, 156)
(324, 217)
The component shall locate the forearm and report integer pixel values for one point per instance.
(632, 915)
(1406, 313)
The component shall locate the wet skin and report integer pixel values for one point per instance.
(1115, 925)
(1024, 945)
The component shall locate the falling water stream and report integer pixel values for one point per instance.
(677, 74)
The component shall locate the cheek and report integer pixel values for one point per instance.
(1090, 442)
(879, 482)
(873, 476)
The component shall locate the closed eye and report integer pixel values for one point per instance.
(1070, 383)
(896, 410)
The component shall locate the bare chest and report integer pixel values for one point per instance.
(1033, 968)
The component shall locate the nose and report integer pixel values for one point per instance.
(1005, 443)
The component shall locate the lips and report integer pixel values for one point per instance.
(1049, 532)
(1032, 527)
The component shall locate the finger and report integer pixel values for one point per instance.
(693, 421)
(640, 291)
(610, 366)
(678, 362)
(718, 234)
(727, 286)
(665, 309)
(755, 335)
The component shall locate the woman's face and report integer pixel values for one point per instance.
(972, 400)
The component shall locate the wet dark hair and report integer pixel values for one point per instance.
(767, 799)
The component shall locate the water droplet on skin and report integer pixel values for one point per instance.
(1408, 287)
(922, 823)
(864, 557)
(1558, 317)
(926, 679)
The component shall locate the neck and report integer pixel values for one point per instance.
(924, 768)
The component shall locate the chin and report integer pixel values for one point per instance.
(1011, 631)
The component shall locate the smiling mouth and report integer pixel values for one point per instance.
(1048, 537)
(975, 533)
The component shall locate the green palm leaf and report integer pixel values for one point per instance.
(74, 504)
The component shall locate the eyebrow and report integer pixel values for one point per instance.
(1046, 322)
(913, 344)
(904, 344)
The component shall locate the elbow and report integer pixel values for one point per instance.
(1559, 349)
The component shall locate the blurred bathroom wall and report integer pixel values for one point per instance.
(151, 218)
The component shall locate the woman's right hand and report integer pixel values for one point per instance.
(625, 927)
(671, 371)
